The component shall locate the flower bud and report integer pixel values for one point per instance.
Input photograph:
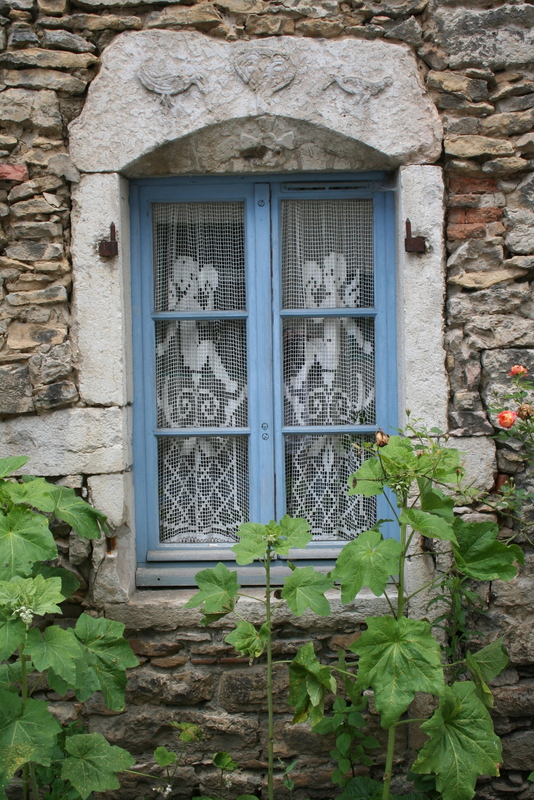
(381, 438)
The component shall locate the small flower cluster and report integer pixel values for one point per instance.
(525, 411)
(25, 614)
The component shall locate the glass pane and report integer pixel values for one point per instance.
(327, 253)
(201, 374)
(329, 371)
(199, 256)
(317, 468)
(203, 488)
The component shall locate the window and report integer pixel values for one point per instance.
(264, 345)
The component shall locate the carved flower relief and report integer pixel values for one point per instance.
(264, 70)
(362, 88)
(167, 84)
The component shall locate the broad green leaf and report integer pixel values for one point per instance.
(12, 635)
(434, 501)
(308, 683)
(24, 539)
(38, 595)
(430, 525)
(109, 654)
(223, 760)
(69, 583)
(82, 517)
(462, 743)
(27, 733)
(369, 479)
(295, 533)
(10, 675)
(305, 588)
(491, 660)
(11, 464)
(164, 757)
(218, 588)
(252, 543)
(92, 763)
(37, 493)
(247, 639)
(361, 788)
(397, 659)
(480, 555)
(368, 560)
(482, 689)
(57, 648)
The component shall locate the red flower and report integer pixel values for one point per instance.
(506, 418)
(518, 369)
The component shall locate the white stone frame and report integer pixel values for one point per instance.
(95, 439)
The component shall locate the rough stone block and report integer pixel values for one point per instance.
(49, 367)
(23, 335)
(203, 16)
(44, 79)
(55, 395)
(497, 38)
(52, 294)
(16, 394)
(473, 146)
(496, 365)
(517, 750)
(34, 251)
(452, 82)
(13, 172)
(27, 107)
(478, 458)
(493, 331)
(108, 493)
(63, 40)
(69, 441)
(47, 59)
(182, 687)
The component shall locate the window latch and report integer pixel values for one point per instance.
(414, 244)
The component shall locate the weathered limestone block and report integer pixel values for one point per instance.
(408, 31)
(245, 687)
(69, 441)
(483, 280)
(26, 208)
(520, 212)
(396, 8)
(21, 36)
(314, 83)
(40, 109)
(109, 494)
(421, 370)
(478, 458)
(37, 230)
(44, 79)
(507, 123)
(461, 85)
(52, 294)
(23, 335)
(94, 22)
(320, 28)
(515, 701)
(505, 166)
(16, 393)
(492, 331)
(102, 339)
(474, 256)
(517, 749)
(499, 37)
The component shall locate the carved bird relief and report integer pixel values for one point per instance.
(167, 85)
(362, 88)
(265, 70)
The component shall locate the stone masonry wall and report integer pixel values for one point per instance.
(477, 60)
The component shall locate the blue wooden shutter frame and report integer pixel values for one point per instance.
(168, 564)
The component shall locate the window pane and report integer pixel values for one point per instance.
(317, 468)
(203, 488)
(327, 253)
(329, 371)
(201, 374)
(199, 256)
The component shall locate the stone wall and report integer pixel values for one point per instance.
(476, 60)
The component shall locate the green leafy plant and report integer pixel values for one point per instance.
(398, 656)
(90, 657)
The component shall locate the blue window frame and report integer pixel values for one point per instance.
(264, 350)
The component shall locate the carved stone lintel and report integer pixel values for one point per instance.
(166, 85)
(265, 70)
(362, 88)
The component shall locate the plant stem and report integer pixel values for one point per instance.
(388, 774)
(33, 777)
(24, 691)
(270, 714)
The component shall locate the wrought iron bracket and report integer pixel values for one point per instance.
(108, 249)
(414, 244)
